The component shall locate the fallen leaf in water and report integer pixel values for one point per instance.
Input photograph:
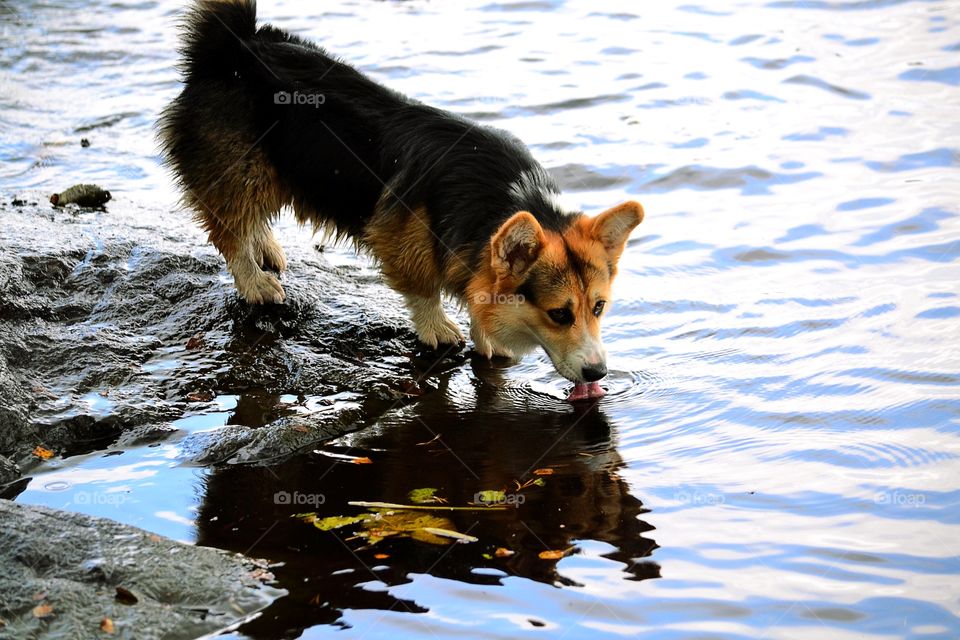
(106, 625)
(529, 483)
(373, 536)
(381, 556)
(417, 525)
(423, 496)
(385, 523)
(195, 343)
(42, 453)
(491, 496)
(200, 396)
(554, 554)
(503, 552)
(363, 460)
(543, 472)
(335, 522)
(42, 611)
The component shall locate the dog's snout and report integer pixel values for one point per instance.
(594, 372)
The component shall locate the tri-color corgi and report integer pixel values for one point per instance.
(444, 205)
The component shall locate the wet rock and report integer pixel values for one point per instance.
(62, 574)
(128, 320)
(9, 471)
(282, 439)
(145, 434)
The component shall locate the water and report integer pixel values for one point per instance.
(778, 456)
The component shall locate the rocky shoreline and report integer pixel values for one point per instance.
(114, 324)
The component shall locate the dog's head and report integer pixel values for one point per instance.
(551, 289)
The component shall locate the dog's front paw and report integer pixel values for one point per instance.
(440, 331)
(487, 347)
(263, 288)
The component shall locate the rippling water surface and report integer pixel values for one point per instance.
(778, 454)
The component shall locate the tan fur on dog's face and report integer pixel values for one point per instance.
(550, 290)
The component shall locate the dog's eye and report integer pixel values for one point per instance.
(561, 316)
(598, 308)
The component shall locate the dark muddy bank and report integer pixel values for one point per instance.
(113, 324)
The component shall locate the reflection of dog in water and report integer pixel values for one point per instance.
(446, 206)
(582, 500)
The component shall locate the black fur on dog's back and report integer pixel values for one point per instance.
(361, 149)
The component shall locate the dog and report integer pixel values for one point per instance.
(445, 206)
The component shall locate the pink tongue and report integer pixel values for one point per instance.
(585, 391)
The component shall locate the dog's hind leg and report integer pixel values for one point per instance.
(210, 137)
(244, 244)
(236, 209)
(271, 253)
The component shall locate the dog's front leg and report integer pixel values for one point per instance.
(433, 326)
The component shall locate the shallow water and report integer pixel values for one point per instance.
(778, 453)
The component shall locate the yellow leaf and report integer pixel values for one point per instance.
(106, 625)
(543, 472)
(423, 496)
(554, 554)
(503, 552)
(335, 522)
(491, 496)
(42, 453)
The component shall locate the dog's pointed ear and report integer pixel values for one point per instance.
(516, 245)
(613, 227)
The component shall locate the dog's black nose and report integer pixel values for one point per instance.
(594, 372)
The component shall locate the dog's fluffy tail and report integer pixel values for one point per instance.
(215, 36)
